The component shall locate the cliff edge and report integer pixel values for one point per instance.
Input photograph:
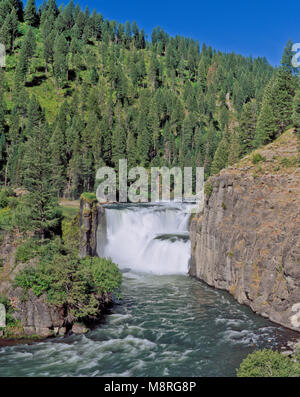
(247, 241)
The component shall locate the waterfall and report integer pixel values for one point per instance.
(147, 238)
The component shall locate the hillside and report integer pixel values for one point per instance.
(248, 239)
(101, 91)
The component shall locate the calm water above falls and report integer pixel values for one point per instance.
(167, 325)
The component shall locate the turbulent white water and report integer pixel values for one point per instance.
(149, 238)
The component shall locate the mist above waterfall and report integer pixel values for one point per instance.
(147, 238)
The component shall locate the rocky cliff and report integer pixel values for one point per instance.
(247, 241)
(35, 316)
(90, 216)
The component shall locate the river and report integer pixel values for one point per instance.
(166, 324)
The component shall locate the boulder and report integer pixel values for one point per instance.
(79, 329)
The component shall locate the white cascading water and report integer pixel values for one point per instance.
(147, 238)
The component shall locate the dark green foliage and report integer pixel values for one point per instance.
(7, 206)
(247, 127)
(277, 106)
(26, 55)
(269, 364)
(71, 233)
(80, 286)
(296, 116)
(283, 93)
(30, 14)
(208, 189)
(90, 197)
(266, 128)
(118, 144)
(289, 162)
(257, 158)
(9, 29)
(26, 251)
(222, 154)
(165, 102)
(44, 214)
(60, 59)
(5, 197)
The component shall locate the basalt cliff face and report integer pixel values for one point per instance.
(247, 241)
(91, 214)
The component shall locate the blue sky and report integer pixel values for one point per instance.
(257, 28)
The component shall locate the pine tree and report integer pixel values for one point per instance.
(283, 92)
(5, 9)
(118, 144)
(8, 31)
(60, 60)
(43, 208)
(234, 151)
(132, 154)
(49, 49)
(26, 55)
(247, 127)
(2, 116)
(58, 154)
(144, 144)
(266, 129)
(3, 147)
(286, 59)
(17, 6)
(296, 116)
(52, 8)
(30, 14)
(15, 150)
(222, 153)
(211, 145)
(3, 144)
(68, 15)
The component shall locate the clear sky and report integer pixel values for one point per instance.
(249, 27)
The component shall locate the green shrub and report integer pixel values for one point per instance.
(103, 275)
(90, 197)
(257, 158)
(27, 251)
(3, 199)
(268, 363)
(6, 220)
(208, 189)
(69, 212)
(81, 286)
(5, 195)
(10, 321)
(289, 162)
(71, 233)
